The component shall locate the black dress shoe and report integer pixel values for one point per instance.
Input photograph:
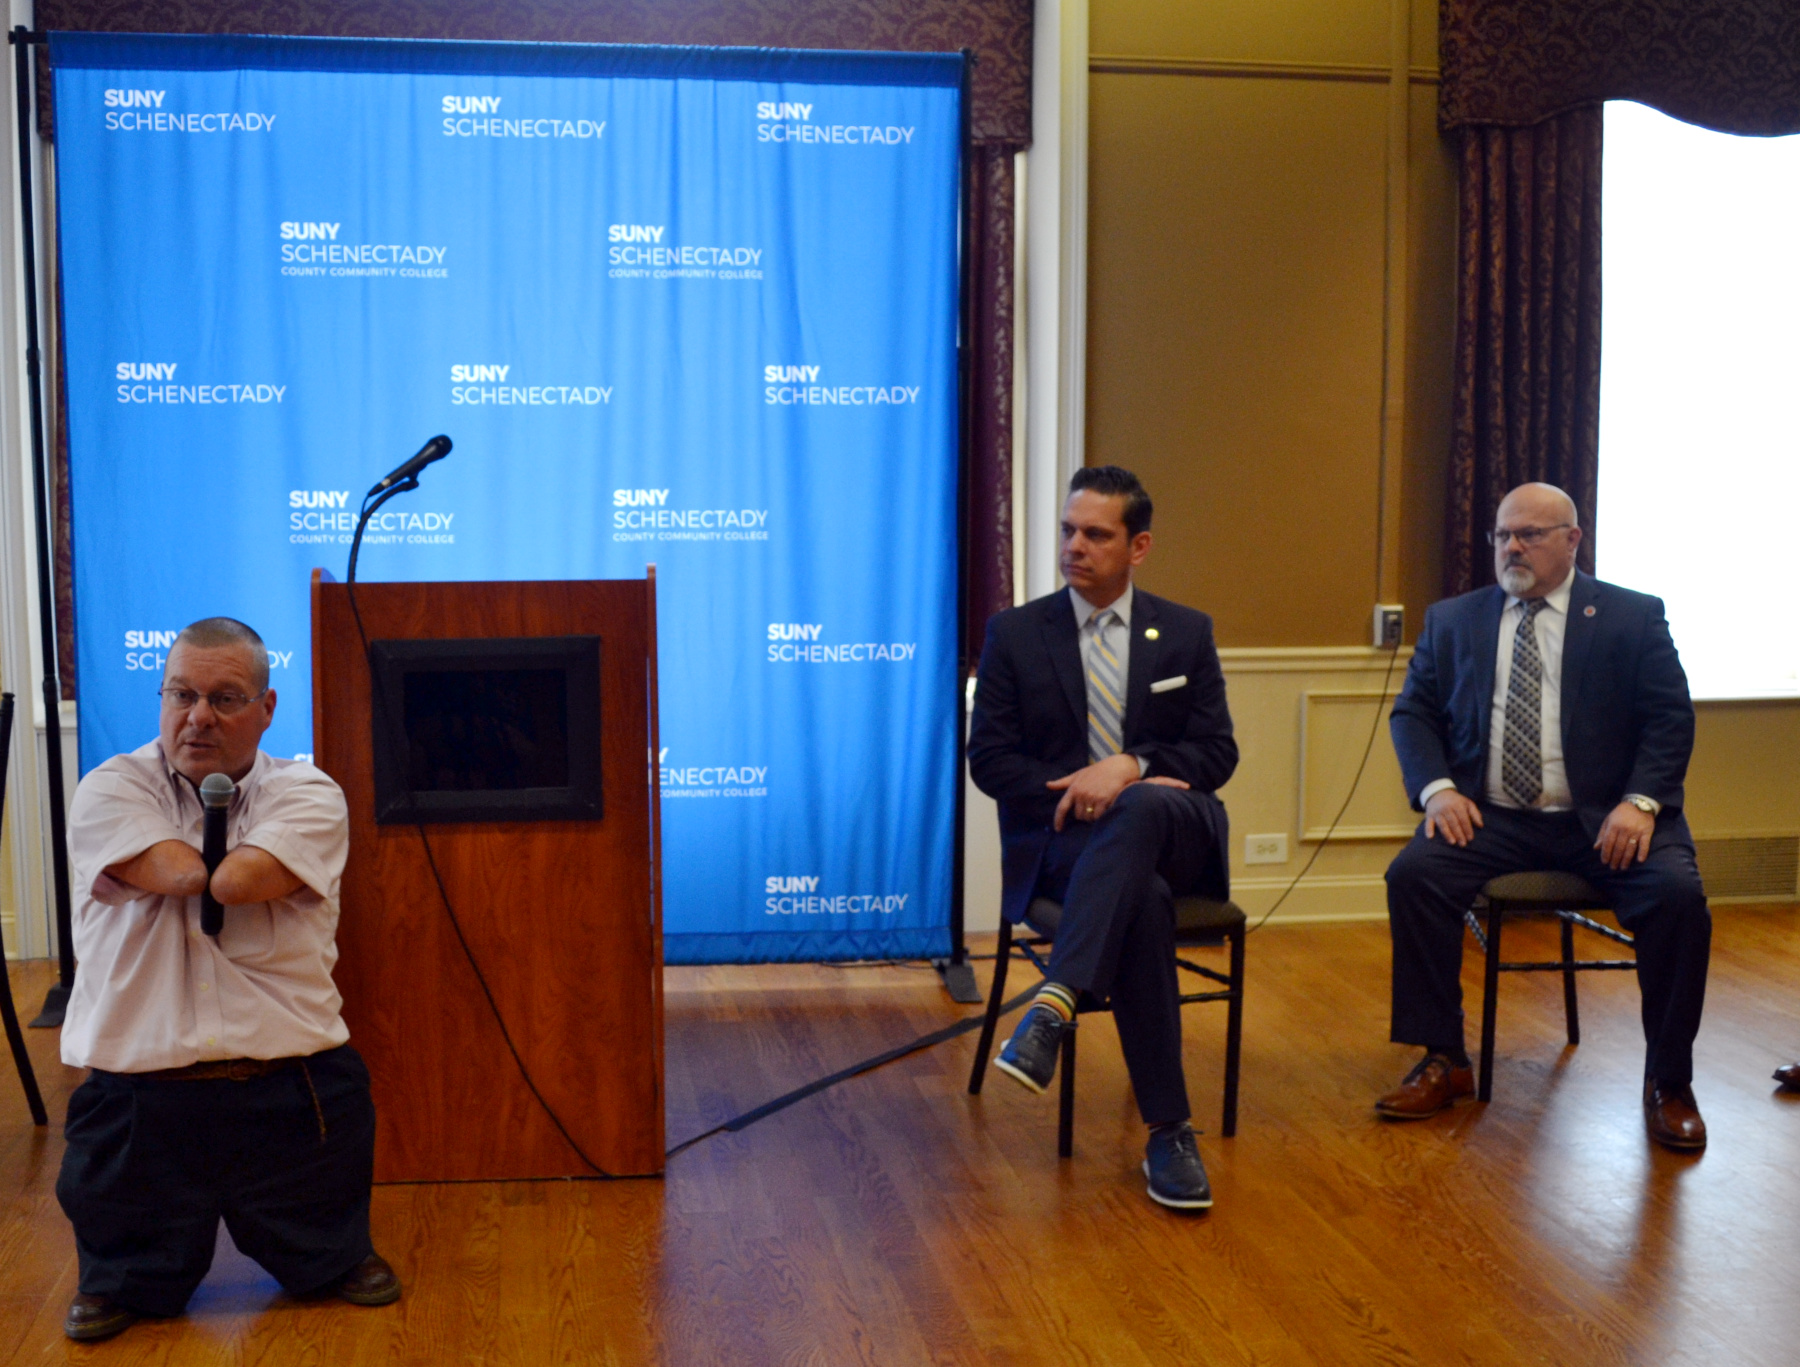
(1030, 1055)
(96, 1317)
(370, 1282)
(1789, 1077)
(1172, 1163)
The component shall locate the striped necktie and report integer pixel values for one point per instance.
(1522, 747)
(1105, 685)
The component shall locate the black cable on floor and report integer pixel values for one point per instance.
(782, 1102)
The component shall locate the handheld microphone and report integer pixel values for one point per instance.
(215, 798)
(435, 449)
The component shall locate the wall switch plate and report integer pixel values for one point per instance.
(1266, 849)
(1389, 625)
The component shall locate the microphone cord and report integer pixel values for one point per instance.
(1355, 783)
(395, 757)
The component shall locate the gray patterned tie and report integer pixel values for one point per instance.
(1105, 685)
(1522, 749)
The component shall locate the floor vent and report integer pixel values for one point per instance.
(1750, 866)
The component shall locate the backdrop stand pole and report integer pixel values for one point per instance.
(57, 999)
(958, 975)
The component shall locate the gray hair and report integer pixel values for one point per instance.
(211, 633)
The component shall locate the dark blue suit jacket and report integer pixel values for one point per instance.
(1030, 723)
(1627, 720)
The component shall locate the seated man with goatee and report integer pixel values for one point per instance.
(1545, 724)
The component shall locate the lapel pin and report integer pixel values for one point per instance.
(1151, 633)
(1588, 611)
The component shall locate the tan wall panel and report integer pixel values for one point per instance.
(1430, 339)
(1425, 33)
(1745, 775)
(1298, 732)
(1355, 32)
(1236, 238)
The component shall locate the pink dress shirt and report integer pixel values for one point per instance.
(152, 991)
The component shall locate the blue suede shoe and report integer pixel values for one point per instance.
(1172, 1163)
(1029, 1057)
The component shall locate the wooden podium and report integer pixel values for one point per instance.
(564, 918)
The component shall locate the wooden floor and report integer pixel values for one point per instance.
(895, 1219)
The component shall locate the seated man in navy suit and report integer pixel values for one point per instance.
(1100, 728)
(1545, 724)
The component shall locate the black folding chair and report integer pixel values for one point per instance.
(1198, 921)
(1562, 895)
(14, 1036)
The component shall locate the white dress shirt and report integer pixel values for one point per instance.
(1552, 628)
(153, 991)
(1084, 613)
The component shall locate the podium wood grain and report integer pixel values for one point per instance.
(563, 917)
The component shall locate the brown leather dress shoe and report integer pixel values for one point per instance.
(1789, 1077)
(96, 1317)
(1672, 1117)
(370, 1282)
(1434, 1083)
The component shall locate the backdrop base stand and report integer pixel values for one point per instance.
(959, 981)
(56, 1002)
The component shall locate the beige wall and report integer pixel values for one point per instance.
(1271, 303)
(1271, 311)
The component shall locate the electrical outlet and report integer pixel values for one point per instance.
(1389, 625)
(1266, 849)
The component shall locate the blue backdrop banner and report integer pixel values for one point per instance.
(684, 306)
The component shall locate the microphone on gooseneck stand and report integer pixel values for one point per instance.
(215, 799)
(435, 449)
(401, 478)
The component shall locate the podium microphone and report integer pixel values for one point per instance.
(435, 449)
(215, 798)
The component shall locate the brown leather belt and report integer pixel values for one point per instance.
(232, 1069)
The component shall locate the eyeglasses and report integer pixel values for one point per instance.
(226, 704)
(1526, 536)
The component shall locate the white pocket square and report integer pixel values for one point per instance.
(1164, 685)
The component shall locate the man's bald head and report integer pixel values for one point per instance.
(1536, 531)
(1544, 504)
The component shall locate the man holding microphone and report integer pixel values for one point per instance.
(222, 1084)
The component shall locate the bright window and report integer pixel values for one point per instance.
(1699, 499)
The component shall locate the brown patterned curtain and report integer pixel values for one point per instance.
(1522, 87)
(990, 553)
(997, 31)
(1526, 402)
(1730, 65)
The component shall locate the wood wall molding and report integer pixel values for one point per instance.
(1125, 64)
(1310, 660)
(1334, 726)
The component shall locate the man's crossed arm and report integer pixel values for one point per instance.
(174, 868)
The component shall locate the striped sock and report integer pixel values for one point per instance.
(1055, 997)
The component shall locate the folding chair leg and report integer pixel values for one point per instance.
(1489, 1002)
(1065, 1120)
(1234, 1033)
(997, 995)
(1570, 1010)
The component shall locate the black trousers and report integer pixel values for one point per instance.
(1117, 937)
(152, 1165)
(1661, 902)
